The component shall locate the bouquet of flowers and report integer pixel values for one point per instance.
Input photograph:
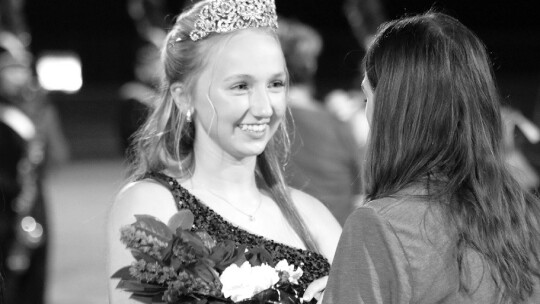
(174, 264)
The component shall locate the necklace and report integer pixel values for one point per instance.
(251, 216)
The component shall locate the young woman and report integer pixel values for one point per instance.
(444, 221)
(217, 140)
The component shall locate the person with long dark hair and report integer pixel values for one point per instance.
(444, 220)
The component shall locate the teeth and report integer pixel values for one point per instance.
(253, 128)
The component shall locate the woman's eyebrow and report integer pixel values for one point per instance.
(238, 76)
(279, 74)
(248, 76)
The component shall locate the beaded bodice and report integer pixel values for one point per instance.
(313, 264)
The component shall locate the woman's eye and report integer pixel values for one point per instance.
(240, 86)
(277, 84)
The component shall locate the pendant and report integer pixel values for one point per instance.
(251, 218)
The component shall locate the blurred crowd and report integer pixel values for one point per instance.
(31, 143)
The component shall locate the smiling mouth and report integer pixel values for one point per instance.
(255, 128)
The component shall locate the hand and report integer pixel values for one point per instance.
(316, 290)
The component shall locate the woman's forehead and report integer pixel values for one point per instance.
(249, 52)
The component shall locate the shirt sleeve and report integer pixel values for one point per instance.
(370, 265)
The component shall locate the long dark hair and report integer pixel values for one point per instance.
(167, 137)
(436, 123)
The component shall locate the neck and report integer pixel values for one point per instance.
(225, 178)
(222, 172)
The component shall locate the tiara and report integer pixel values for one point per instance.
(222, 16)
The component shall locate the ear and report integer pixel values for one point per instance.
(181, 97)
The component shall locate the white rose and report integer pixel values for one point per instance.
(263, 277)
(235, 282)
(294, 275)
(240, 283)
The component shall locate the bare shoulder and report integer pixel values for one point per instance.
(309, 205)
(322, 225)
(144, 197)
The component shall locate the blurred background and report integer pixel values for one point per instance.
(84, 55)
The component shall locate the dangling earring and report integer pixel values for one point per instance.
(188, 115)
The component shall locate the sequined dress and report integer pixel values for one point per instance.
(313, 264)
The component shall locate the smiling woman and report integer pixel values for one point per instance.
(215, 145)
(242, 94)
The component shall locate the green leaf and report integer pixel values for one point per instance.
(122, 273)
(183, 219)
(153, 226)
(139, 287)
(147, 300)
(144, 300)
(150, 293)
(156, 299)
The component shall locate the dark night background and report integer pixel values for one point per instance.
(104, 36)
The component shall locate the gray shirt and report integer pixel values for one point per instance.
(397, 250)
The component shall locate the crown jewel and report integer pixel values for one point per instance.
(222, 16)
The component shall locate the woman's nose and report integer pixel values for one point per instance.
(260, 103)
